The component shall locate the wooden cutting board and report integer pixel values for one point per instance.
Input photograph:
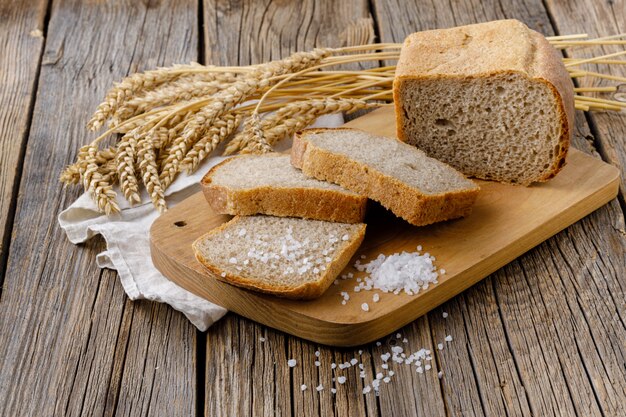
(506, 222)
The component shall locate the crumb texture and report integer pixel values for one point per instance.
(392, 158)
(277, 252)
(253, 171)
(503, 127)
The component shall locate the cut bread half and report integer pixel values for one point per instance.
(493, 100)
(403, 179)
(268, 184)
(284, 256)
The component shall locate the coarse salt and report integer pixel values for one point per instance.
(262, 339)
(376, 297)
(440, 346)
(302, 387)
(448, 338)
(354, 361)
(445, 315)
(365, 307)
(341, 379)
(320, 387)
(408, 272)
(367, 389)
(232, 260)
(317, 353)
(291, 363)
(386, 380)
(317, 363)
(333, 390)
(223, 274)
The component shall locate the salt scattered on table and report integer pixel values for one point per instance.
(448, 338)
(302, 387)
(445, 315)
(291, 363)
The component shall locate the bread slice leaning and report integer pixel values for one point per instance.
(268, 184)
(413, 186)
(493, 100)
(287, 257)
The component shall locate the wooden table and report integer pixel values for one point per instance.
(545, 335)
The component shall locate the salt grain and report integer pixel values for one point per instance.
(448, 338)
(440, 374)
(378, 343)
(445, 315)
(333, 365)
(365, 307)
(262, 339)
(427, 367)
(302, 387)
(440, 346)
(345, 237)
(291, 363)
(341, 380)
(319, 388)
(376, 297)
(391, 373)
(419, 370)
(386, 379)
(223, 274)
(379, 375)
(333, 390)
(317, 363)
(354, 361)
(367, 389)
(232, 260)
(398, 335)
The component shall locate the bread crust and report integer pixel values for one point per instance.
(404, 201)
(308, 203)
(306, 291)
(538, 61)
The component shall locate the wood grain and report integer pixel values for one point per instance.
(506, 221)
(22, 40)
(70, 341)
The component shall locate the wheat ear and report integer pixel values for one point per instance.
(130, 87)
(219, 132)
(257, 80)
(150, 175)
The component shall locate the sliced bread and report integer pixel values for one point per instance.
(413, 186)
(493, 100)
(284, 256)
(268, 184)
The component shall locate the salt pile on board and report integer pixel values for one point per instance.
(408, 272)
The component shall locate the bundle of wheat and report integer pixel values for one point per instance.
(167, 121)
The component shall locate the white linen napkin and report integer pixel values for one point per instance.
(128, 242)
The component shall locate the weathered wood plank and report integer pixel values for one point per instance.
(519, 361)
(240, 33)
(21, 37)
(598, 18)
(70, 341)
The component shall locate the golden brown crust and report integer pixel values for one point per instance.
(404, 201)
(308, 203)
(305, 291)
(513, 48)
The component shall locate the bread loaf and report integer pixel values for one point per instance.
(493, 100)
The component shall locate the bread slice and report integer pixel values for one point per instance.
(284, 256)
(493, 100)
(402, 178)
(268, 184)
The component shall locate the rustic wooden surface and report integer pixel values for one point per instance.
(543, 336)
